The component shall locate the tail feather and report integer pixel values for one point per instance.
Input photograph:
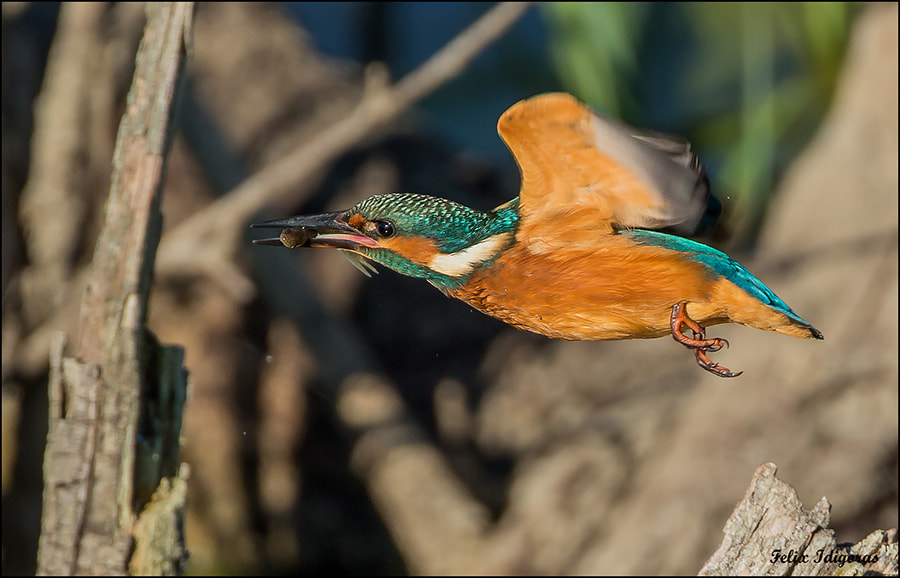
(747, 309)
(803, 329)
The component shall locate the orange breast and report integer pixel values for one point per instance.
(613, 288)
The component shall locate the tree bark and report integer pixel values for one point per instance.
(115, 409)
(769, 533)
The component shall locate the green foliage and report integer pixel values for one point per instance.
(747, 82)
(594, 48)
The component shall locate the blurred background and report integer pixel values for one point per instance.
(402, 432)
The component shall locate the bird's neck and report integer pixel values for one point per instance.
(468, 227)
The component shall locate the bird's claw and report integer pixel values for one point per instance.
(713, 367)
(718, 344)
(699, 343)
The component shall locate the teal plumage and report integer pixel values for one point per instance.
(426, 216)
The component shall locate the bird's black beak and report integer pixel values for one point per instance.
(323, 230)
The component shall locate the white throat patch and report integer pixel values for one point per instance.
(462, 262)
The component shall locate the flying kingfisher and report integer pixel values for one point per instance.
(579, 253)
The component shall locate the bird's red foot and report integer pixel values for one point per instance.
(699, 343)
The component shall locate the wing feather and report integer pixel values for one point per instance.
(576, 163)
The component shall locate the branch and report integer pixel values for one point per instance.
(53, 208)
(206, 242)
(91, 463)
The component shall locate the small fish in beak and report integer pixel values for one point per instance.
(324, 230)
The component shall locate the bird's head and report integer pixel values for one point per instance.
(416, 235)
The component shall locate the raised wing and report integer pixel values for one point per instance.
(576, 164)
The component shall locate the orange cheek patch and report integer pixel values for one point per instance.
(416, 249)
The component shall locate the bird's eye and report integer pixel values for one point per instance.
(384, 228)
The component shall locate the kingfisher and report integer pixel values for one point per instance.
(593, 248)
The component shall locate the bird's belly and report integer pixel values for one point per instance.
(601, 295)
(580, 317)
